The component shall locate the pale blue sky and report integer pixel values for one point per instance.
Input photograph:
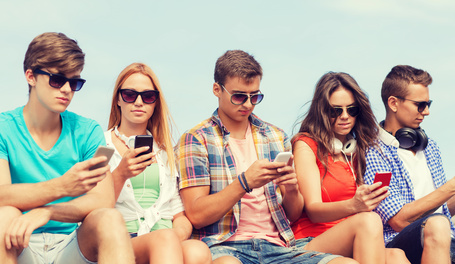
(295, 42)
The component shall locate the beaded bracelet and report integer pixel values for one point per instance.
(247, 189)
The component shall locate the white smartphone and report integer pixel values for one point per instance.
(283, 157)
(102, 151)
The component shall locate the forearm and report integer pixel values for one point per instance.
(182, 226)
(26, 196)
(207, 209)
(293, 204)
(321, 212)
(421, 207)
(119, 182)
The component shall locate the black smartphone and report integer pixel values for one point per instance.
(142, 141)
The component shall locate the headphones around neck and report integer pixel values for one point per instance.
(348, 148)
(414, 139)
(410, 138)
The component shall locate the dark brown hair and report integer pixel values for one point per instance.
(317, 125)
(236, 63)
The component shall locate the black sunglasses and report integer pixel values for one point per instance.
(337, 111)
(130, 96)
(421, 105)
(241, 98)
(58, 80)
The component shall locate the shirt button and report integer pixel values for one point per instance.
(128, 185)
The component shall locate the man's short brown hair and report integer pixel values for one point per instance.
(397, 81)
(237, 63)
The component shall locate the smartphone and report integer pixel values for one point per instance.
(283, 157)
(142, 141)
(383, 177)
(102, 151)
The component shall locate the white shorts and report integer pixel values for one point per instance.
(47, 248)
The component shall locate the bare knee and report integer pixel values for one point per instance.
(196, 252)
(437, 231)
(369, 222)
(343, 260)
(226, 260)
(395, 255)
(104, 223)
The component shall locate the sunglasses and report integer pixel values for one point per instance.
(337, 111)
(58, 80)
(130, 96)
(421, 105)
(241, 98)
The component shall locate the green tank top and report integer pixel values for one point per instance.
(146, 187)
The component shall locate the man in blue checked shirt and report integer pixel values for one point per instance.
(416, 214)
(234, 194)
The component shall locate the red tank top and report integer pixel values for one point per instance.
(338, 185)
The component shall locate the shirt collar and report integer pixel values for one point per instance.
(388, 138)
(254, 120)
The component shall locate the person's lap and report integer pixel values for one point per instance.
(261, 251)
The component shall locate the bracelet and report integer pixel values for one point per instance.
(247, 189)
(241, 183)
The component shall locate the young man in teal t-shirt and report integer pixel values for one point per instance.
(46, 186)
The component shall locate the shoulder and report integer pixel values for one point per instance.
(11, 116)
(79, 122)
(201, 132)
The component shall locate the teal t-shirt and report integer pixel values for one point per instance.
(78, 141)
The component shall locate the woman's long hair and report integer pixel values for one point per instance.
(317, 125)
(159, 123)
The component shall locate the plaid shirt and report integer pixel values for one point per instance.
(205, 158)
(401, 189)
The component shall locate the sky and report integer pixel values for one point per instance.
(295, 42)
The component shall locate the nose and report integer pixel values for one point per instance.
(139, 100)
(66, 88)
(345, 114)
(248, 102)
(426, 111)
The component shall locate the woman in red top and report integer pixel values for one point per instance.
(329, 153)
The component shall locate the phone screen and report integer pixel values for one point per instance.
(142, 141)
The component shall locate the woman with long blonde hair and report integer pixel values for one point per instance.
(146, 185)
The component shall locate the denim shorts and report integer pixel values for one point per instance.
(410, 240)
(53, 248)
(261, 251)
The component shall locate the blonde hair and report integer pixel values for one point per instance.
(159, 123)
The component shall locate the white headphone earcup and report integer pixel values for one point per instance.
(349, 146)
(337, 146)
(130, 142)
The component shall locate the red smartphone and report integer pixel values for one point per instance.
(383, 177)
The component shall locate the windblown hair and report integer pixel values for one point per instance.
(159, 123)
(317, 125)
(237, 63)
(54, 50)
(397, 81)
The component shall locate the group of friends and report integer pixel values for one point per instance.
(218, 196)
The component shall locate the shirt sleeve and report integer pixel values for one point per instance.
(377, 161)
(193, 161)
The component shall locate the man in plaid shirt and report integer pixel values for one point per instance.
(416, 213)
(234, 195)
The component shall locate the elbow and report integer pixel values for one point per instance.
(397, 224)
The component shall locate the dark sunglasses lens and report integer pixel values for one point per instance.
(422, 105)
(238, 98)
(353, 111)
(76, 84)
(256, 99)
(57, 81)
(129, 96)
(149, 97)
(335, 112)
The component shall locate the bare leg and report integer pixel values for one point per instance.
(395, 256)
(160, 246)
(226, 260)
(196, 252)
(436, 244)
(7, 214)
(359, 237)
(103, 237)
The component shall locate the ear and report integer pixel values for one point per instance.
(217, 90)
(392, 102)
(30, 77)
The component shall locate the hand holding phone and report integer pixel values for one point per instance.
(102, 151)
(383, 177)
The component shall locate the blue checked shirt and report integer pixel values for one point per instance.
(205, 158)
(385, 158)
